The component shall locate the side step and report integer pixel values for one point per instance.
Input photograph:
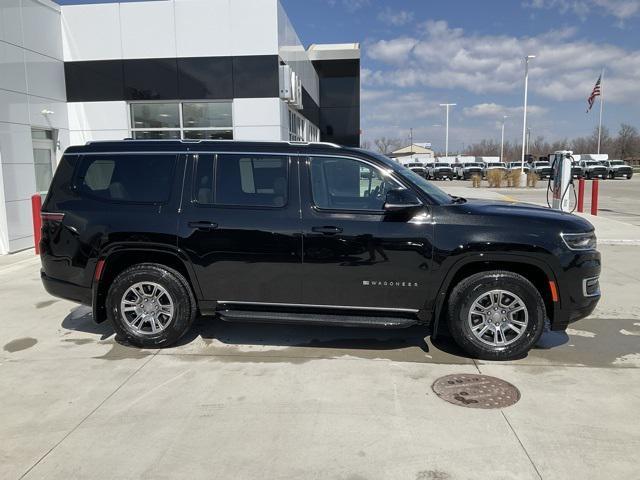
(316, 319)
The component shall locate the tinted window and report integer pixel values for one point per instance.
(255, 76)
(127, 178)
(150, 79)
(205, 77)
(251, 180)
(347, 184)
(94, 80)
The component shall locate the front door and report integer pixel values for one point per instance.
(355, 253)
(240, 227)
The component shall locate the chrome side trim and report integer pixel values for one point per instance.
(341, 307)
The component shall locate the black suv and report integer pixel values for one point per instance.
(153, 233)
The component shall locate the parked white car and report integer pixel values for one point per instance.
(440, 171)
(594, 169)
(618, 168)
(489, 166)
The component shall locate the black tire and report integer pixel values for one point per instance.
(468, 290)
(588, 175)
(629, 176)
(184, 304)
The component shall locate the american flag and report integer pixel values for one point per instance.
(595, 93)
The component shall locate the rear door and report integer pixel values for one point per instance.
(240, 226)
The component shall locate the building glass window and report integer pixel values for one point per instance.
(302, 130)
(190, 120)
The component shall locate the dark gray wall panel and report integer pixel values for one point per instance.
(205, 77)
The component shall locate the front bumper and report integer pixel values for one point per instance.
(622, 172)
(443, 174)
(579, 289)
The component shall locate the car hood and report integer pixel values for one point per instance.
(518, 214)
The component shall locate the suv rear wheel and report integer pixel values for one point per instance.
(150, 305)
(496, 315)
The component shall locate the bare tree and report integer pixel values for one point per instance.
(628, 142)
(386, 145)
(365, 144)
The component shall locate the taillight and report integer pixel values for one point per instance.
(51, 217)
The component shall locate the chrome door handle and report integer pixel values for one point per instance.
(204, 226)
(327, 230)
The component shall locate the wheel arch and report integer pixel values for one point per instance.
(121, 257)
(537, 272)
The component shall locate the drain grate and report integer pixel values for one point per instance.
(476, 391)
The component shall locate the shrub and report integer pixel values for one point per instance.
(495, 178)
(476, 180)
(532, 179)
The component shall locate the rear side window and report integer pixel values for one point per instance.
(131, 178)
(242, 180)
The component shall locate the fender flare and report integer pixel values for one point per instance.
(484, 258)
(138, 247)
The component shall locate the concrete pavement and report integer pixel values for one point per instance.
(268, 401)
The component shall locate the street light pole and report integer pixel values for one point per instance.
(446, 137)
(504, 118)
(524, 122)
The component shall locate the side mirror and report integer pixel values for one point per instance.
(400, 199)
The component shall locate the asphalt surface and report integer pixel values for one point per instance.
(279, 402)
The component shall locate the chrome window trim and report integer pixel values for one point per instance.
(308, 305)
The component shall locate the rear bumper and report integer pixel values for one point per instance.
(66, 290)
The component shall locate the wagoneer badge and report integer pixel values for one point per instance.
(386, 283)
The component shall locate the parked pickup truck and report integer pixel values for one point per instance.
(594, 169)
(576, 170)
(617, 168)
(419, 168)
(494, 166)
(464, 171)
(542, 169)
(440, 171)
(516, 166)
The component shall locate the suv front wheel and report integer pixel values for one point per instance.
(496, 315)
(150, 305)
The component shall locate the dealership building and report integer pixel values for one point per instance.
(163, 69)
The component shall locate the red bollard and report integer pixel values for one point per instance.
(581, 195)
(594, 197)
(36, 207)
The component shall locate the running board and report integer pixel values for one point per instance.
(316, 319)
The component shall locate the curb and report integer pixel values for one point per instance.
(613, 241)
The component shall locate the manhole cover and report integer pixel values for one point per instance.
(476, 391)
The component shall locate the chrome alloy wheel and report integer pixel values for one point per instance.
(498, 318)
(147, 308)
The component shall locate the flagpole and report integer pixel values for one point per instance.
(601, 104)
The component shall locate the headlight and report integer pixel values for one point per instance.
(580, 241)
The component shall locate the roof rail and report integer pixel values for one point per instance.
(187, 140)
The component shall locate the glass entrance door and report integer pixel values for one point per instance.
(43, 158)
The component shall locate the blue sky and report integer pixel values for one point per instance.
(418, 54)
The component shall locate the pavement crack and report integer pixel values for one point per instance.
(84, 419)
(521, 444)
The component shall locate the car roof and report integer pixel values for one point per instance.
(186, 146)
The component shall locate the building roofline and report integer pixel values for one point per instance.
(334, 51)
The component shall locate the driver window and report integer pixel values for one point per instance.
(348, 184)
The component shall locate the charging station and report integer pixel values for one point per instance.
(561, 161)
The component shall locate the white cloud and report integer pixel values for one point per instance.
(495, 111)
(351, 5)
(621, 9)
(443, 57)
(395, 17)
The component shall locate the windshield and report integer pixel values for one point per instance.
(495, 164)
(472, 165)
(593, 162)
(616, 162)
(441, 164)
(542, 164)
(428, 188)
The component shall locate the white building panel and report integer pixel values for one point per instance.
(258, 133)
(91, 32)
(40, 116)
(12, 75)
(98, 115)
(15, 143)
(148, 29)
(13, 107)
(41, 27)
(80, 137)
(256, 112)
(203, 28)
(19, 181)
(11, 22)
(45, 76)
(254, 27)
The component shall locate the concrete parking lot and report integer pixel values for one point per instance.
(276, 402)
